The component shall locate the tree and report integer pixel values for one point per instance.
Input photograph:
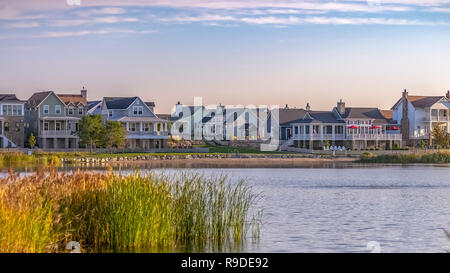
(114, 135)
(91, 131)
(440, 136)
(32, 140)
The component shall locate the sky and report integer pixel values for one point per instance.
(271, 52)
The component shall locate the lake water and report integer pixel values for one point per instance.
(342, 209)
(403, 209)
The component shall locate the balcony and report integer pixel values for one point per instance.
(147, 134)
(439, 118)
(348, 137)
(58, 134)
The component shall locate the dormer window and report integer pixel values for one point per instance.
(70, 110)
(80, 110)
(138, 110)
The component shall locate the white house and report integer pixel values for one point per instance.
(417, 115)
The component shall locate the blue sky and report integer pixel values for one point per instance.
(232, 52)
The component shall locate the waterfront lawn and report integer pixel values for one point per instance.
(236, 150)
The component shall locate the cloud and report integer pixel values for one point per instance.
(92, 21)
(23, 25)
(60, 34)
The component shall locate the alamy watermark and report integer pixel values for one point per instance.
(230, 122)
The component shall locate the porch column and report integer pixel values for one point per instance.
(66, 143)
(55, 143)
(155, 127)
(165, 126)
(140, 126)
(311, 144)
(126, 125)
(333, 135)
(76, 143)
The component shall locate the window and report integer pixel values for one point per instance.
(46, 109)
(133, 127)
(58, 126)
(70, 112)
(147, 127)
(17, 126)
(110, 113)
(80, 110)
(295, 130)
(138, 110)
(339, 130)
(6, 126)
(58, 109)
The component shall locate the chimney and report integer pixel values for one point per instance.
(404, 123)
(286, 107)
(405, 94)
(341, 107)
(308, 108)
(84, 93)
(448, 94)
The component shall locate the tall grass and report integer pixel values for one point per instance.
(437, 157)
(18, 158)
(111, 212)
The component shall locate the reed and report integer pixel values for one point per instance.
(436, 157)
(115, 213)
(19, 159)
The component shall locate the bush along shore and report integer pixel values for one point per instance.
(133, 213)
(435, 157)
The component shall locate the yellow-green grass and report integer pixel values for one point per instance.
(436, 157)
(19, 158)
(115, 213)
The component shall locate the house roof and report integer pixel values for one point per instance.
(150, 103)
(72, 98)
(92, 104)
(287, 115)
(37, 98)
(9, 98)
(365, 113)
(420, 101)
(119, 102)
(387, 114)
(318, 117)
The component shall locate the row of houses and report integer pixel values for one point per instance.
(53, 118)
(408, 123)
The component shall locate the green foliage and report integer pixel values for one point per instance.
(440, 137)
(114, 135)
(32, 140)
(91, 130)
(438, 157)
(422, 144)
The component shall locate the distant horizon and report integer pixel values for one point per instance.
(230, 52)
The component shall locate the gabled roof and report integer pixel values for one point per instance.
(72, 98)
(365, 113)
(37, 98)
(387, 114)
(421, 101)
(119, 103)
(287, 115)
(10, 98)
(150, 103)
(318, 117)
(92, 104)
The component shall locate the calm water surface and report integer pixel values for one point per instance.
(404, 209)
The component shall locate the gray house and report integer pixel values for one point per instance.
(53, 118)
(145, 130)
(12, 121)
